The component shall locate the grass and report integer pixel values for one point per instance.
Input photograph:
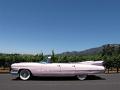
(111, 71)
(4, 70)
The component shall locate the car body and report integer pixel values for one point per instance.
(80, 69)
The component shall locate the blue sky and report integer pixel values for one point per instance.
(35, 26)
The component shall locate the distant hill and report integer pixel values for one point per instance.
(90, 51)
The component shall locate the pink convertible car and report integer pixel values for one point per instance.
(80, 69)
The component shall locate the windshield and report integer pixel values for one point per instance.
(45, 61)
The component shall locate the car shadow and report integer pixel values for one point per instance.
(94, 77)
(89, 77)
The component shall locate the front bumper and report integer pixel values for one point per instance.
(14, 72)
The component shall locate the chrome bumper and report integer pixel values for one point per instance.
(14, 72)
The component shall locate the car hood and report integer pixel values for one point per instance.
(24, 64)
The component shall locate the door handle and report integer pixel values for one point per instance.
(73, 66)
(58, 65)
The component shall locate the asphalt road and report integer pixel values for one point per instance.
(99, 82)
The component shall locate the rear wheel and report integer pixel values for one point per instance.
(24, 74)
(81, 77)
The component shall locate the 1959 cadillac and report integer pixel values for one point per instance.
(81, 69)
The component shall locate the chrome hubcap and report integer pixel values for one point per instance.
(24, 74)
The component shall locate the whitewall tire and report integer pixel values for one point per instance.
(24, 74)
(81, 77)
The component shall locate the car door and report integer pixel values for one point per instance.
(67, 69)
(49, 69)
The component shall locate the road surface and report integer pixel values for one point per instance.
(99, 82)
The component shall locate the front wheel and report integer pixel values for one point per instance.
(81, 77)
(24, 74)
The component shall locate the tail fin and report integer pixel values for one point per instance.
(98, 63)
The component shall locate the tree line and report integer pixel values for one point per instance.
(7, 59)
(110, 55)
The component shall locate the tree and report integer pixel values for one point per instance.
(119, 49)
(54, 57)
(117, 63)
(64, 59)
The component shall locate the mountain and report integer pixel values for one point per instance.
(91, 51)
